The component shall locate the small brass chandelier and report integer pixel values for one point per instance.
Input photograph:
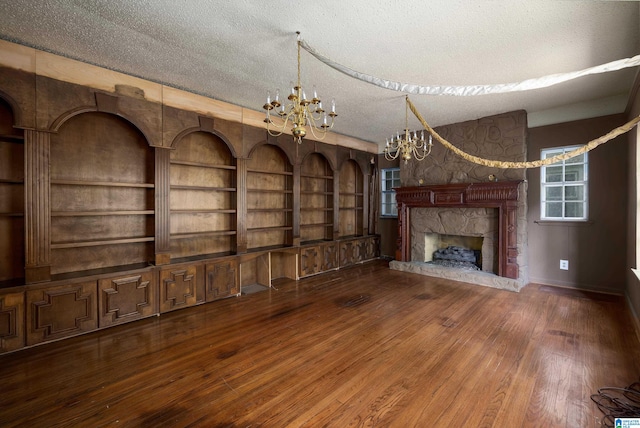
(301, 111)
(408, 145)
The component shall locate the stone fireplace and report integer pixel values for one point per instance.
(446, 195)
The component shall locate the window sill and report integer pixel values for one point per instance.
(571, 223)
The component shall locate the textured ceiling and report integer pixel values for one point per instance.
(237, 50)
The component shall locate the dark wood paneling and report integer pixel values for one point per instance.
(221, 279)
(60, 311)
(11, 321)
(178, 287)
(126, 298)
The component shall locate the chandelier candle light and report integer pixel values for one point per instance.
(408, 144)
(301, 111)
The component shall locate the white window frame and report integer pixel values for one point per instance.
(390, 178)
(563, 183)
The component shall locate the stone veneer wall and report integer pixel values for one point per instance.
(499, 137)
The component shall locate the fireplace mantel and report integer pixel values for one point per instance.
(502, 195)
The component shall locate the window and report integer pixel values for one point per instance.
(390, 179)
(563, 186)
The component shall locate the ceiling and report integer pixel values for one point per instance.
(237, 50)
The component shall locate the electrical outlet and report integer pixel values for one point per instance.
(564, 264)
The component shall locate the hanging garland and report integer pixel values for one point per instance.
(491, 89)
(530, 164)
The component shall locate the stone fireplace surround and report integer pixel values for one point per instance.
(481, 206)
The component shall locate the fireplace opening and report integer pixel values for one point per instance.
(461, 252)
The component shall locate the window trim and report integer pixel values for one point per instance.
(563, 184)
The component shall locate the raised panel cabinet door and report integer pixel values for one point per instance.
(221, 280)
(126, 298)
(310, 260)
(348, 253)
(330, 256)
(11, 322)
(61, 311)
(178, 287)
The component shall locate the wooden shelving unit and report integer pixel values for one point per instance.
(351, 218)
(11, 199)
(269, 219)
(316, 199)
(203, 196)
(102, 196)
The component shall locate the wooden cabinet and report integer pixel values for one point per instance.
(222, 279)
(102, 195)
(181, 286)
(316, 199)
(203, 196)
(351, 213)
(269, 220)
(12, 259)
(318, 258)
(59, 311)
(127, 297)
(358, 250)
(11, 321)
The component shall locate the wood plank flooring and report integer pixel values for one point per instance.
(361, 347)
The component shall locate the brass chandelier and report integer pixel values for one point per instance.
(408, 145)
(301, 111)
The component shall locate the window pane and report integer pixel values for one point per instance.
(574, 210)
(553, 174)
(553, 209)
(553, 193)
(551, 153)
(574, 193)
(575, 159)
(388, 198)
(574, 173)
(394, 210)
(388, 184)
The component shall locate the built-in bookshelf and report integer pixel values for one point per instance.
(316, 199)
(102, 195)
(203, 196)
(269, 220)
(351, 199)
(11, 198)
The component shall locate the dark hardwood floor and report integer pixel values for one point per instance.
(364, 346)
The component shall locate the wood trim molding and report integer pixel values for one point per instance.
(72, 71)
(502, 195)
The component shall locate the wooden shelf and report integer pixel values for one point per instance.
(203, 188)
(206, 233)
(269, 210)
(7, 138)
(308, 192)
(99, 213)
(317, 209)
(102, 183)
(309, 225)
(202, 165)
(8, 181)
(12, 214)
(206, 211)
(272, 228)
(320, 177)
(61, 245)
(281, 192)
(262, 171)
